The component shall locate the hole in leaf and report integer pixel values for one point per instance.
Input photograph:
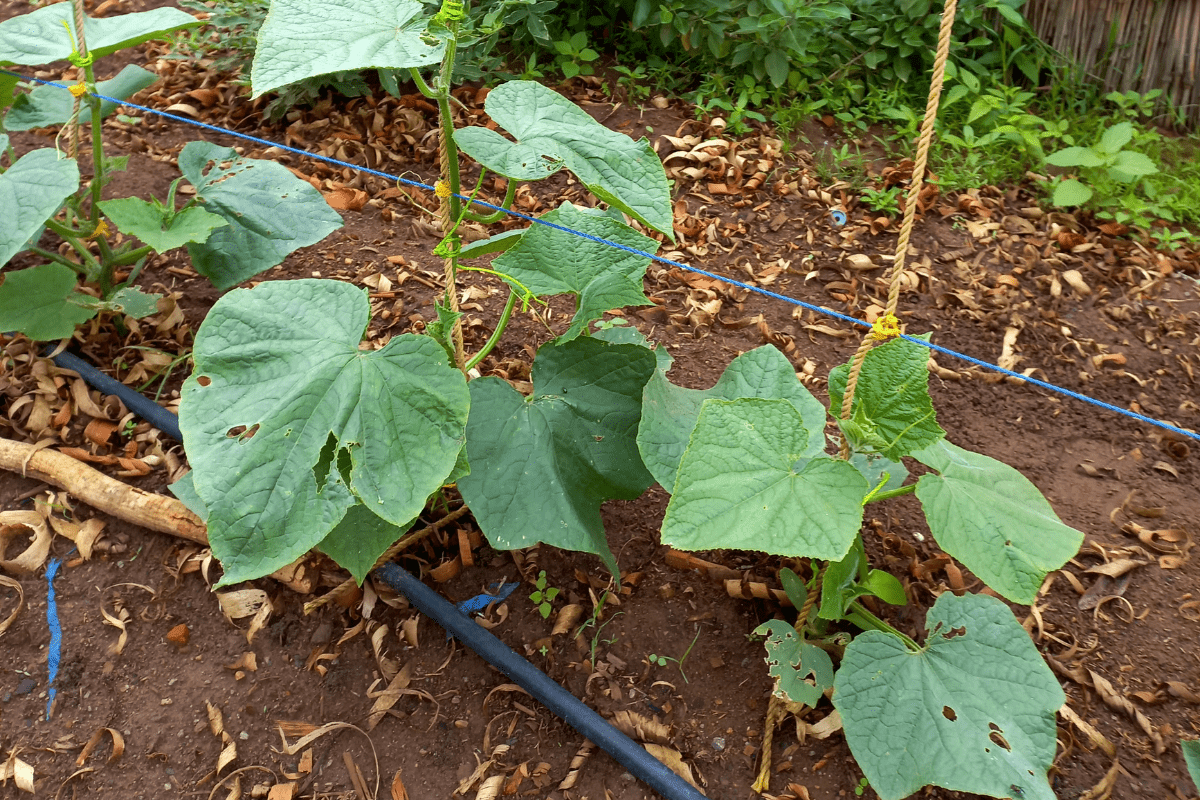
(953, 632)
(998, 737)
(204, 380)
(1007, 543)
(948, 713)
(241, 432)
(235, 431)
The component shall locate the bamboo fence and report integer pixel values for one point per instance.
(1129, 44)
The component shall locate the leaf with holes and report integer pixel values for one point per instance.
(541, 466)
(286, 423)
(552, 133)
(39, 37)
(791, 661)
(31, 191)
(301, 39)
(992, 519)
(271, 213)
(972, 711)
(547, 261)
(892, 398)
(669, 412)
(41, 302)
(50, 105)
(744, 482)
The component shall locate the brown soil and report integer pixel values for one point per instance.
(985, 264)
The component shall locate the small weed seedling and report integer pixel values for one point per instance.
(597, 627)
(544, 596)
(661, 661)
(882, 201)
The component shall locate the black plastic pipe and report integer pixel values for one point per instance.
(562, 703)
(565, 705)
(136, 402)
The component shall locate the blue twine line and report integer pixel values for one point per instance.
(55, 650)
(633, 250)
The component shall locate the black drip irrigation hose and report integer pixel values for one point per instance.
(566, 706)
(136, 402)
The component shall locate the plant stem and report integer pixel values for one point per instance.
(857, 613)
(51, 256)
(450, 208)
(496, 334)
(509, 195)
(90, 267)
(890, 493)
(422, 87)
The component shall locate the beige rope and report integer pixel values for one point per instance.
(778, 707)
(81, 48)
(910, 211)
(448, 221)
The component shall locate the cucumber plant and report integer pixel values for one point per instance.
(301, 437)
(246, 215)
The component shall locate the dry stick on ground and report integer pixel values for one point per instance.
(154, 511)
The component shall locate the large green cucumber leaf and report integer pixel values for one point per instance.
(891, 400)
(39, 38)
(992, 519)
(301, 39)
(669, 412)
(50, 105)
(552, 133)
(548, 261)
(541, 466)
(41, 302)
(31, 191)
(973, 711)
(271, 213)
(155, 225)
(745, 483)
(283, 360)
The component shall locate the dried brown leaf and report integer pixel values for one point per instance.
(12, 617)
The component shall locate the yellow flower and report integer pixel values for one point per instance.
(77, 90)
(442, 189)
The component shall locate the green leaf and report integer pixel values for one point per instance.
(185, 490)
(283, 360)
(893, 393)
(1129, 165)
(300, 39)
(541, 466)
(886, 586)
(1070, 192)
(358, 541)
(838, 584)
(1074, 157)
(669, 412)
(873, 467)
(1116, 137)
(133, 302)
(41, 302)
(973, 711)
(148, 222)
(31, 191)
(548, 261)
(992, 519)
(50, 105)
(745, 483)
(493, 244)
(271, 213)
(552, 132)
(441, 329)
(1191, 756)
(791, 660)
(39, 38)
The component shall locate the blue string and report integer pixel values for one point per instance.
(633, 250)
(55, 648)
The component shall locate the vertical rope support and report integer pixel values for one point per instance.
(81, 49)
(910, 209)
(778, 707)
(447, 220)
